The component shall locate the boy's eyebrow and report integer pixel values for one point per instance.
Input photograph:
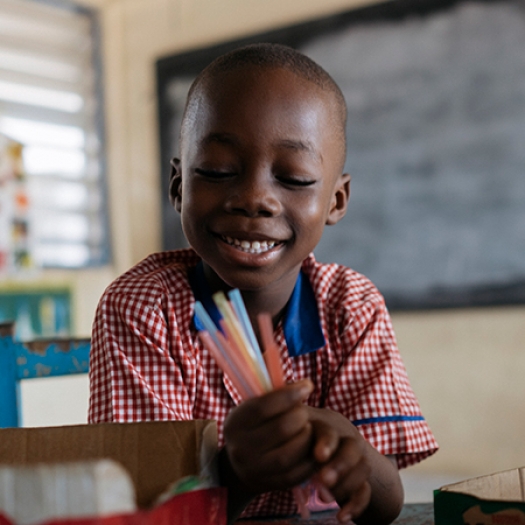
(300, 145)
(223, 138)
(296, 145)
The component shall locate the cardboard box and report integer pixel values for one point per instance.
(155, 454)
(497, 499)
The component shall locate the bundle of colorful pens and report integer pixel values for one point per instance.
(235, 348)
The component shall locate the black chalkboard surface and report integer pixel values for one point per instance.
(436, 145)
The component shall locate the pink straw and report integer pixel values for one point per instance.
(223, 362)
(238, 361)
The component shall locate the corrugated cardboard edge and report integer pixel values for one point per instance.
(507, 485)
(154, 453)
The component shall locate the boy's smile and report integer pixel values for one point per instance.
(251, 247)
(259, 177)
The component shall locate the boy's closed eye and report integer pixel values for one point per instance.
(288, 180)
(295, 173)
(295, 181)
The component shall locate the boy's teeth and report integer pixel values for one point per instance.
(251, 247)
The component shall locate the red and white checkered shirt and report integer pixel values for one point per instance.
(147, 362)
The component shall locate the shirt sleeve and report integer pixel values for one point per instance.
(371, 387)
(132, 375)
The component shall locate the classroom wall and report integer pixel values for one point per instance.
(465, 365)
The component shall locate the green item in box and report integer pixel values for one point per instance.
(497, 499)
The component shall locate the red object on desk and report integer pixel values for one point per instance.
(197, 507)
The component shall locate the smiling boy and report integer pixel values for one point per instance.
(260, 175)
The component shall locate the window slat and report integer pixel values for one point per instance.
(26, 68)
(37, 114)
(41, 21)
(61, 51)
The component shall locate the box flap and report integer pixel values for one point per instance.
(508, 485)
(154, 453)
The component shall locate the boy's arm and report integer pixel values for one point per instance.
(371, 387)
(365, 483)
(132, 373)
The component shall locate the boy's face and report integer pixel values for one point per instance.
(260, 176)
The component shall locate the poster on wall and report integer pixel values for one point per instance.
(37, 313)
(15, 228)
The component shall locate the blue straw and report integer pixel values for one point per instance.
(207, 323)
(240, 310)
(212, 329)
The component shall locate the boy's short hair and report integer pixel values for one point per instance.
(271, 56)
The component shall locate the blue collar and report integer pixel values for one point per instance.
(301, 323)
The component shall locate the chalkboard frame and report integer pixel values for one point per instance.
(189, 63)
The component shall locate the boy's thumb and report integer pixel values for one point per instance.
(303, 388)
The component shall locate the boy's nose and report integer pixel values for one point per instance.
(254, 196)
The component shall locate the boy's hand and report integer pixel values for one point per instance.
(269, 438)
(364, 483)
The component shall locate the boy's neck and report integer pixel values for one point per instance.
(265, 302)
(270, 299)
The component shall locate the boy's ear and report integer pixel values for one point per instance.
(340, 199)
(175, 188)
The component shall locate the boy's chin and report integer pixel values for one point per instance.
(246, 280)
(261, 280)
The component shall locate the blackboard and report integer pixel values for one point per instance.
(436, 145)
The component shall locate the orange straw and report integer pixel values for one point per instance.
(271, 352)
(273, 362)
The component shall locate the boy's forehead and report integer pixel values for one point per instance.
(274, 78)
(257, 90)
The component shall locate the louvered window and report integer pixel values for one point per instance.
(50, 102)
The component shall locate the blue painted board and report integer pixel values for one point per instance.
(44, 358)
(51, 358)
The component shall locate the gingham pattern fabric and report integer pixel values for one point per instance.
(147, 362)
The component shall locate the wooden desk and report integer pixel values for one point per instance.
(412, 514)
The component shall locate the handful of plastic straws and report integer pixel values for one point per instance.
(235, 348)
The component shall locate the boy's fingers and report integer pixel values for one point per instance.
(282, 481)
(357, 504)
(295, 476)
(271, 438)
(326, 441)
(283, 399)
(281, 468)
(274, 403)
(271, 433)
(346, 476)
(278, 432)
(346, 468)
(291, 452)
